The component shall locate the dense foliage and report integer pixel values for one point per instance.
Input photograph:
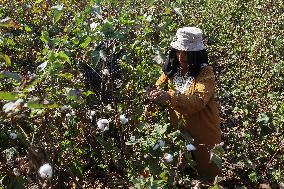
(66, 65)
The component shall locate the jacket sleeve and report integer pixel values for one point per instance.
(163, 80)
(203, 91)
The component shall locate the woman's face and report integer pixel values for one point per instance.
(182, 58)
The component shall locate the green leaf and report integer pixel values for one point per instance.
(68, 76)
(14, 76)
(107, 29)
(253, 176)
(38, 1)
(57, 12)
(28, 29)
(45, 37)
(87, 93)
(95, 57)
(57, 15)
(8, 95)
(42, 66)
(216, 159)
(77, 168)
(86, 42)
(63, 56)
(6, 58)
(35, 105)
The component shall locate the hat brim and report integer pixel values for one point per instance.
(188, 46)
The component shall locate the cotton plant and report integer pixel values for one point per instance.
(45, 171)
(103, 125)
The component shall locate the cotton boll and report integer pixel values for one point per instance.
(8, 107)
(19, 102)
(68, 115)
(106, 128)
(57, 7)
(93, 25)
(156, 146)
(16, 172)
(45, 171)
(103, 124)
(161, 143)
(190, 147)
(92, 112)
(65, 107)
(17, 110)
(13, 136)
(105, 72)
(123, 119)
(168, 158)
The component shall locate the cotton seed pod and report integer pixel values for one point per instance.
(161, 143)
(103, 124)
(168, 157)
(13, 136)
(45, 171)
(93, 25)
(16, 172)
(123, 119)
(105, 72)
(8, 107)
(156, 146)
(190, 147)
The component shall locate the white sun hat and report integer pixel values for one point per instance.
(188, 39)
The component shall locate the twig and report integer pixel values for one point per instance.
(27, 137)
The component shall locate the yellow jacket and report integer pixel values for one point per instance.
(200, 114)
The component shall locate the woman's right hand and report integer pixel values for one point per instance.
(159, 96)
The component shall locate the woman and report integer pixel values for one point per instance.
(187, 88)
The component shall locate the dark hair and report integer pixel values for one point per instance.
(194, 59)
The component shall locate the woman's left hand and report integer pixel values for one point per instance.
(159, 96)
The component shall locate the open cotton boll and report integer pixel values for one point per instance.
(156, 146)
(93, 25)
(19, 102)
(8, 107)
(16, 172)
(123, 119)
(45, 171)
(105, 71)
(57, 7)
(103, 124)
(190, 147)
(106, 128)
(13, 136)
(168, 157)
(161, 143)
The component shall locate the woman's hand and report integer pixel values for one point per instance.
(159, 96)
